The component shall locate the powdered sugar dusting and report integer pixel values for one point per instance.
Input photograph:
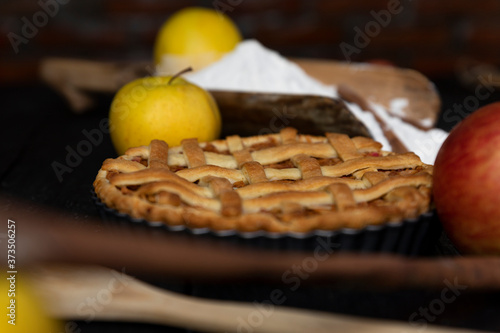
(397, 106)
(427, 122)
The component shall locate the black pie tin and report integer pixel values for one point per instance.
(411, 237)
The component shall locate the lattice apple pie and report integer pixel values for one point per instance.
(278, 182)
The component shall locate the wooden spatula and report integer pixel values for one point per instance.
(384, 85)
(66, 289)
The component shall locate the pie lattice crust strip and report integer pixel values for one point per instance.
(283, 182)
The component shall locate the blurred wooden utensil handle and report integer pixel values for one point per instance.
(63, 289)
(53, 237)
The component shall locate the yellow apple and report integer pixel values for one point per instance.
(167, 108)
(194, 37)
(24, 312)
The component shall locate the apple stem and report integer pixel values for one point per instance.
(189, 69)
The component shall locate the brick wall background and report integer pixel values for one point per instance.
(428, 35)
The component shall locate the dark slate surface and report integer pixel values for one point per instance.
(38, 131)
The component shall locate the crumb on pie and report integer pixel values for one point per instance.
(283, 182)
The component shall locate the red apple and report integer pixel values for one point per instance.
(467, 182)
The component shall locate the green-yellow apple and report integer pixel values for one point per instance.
(166, 108)
(467, 182)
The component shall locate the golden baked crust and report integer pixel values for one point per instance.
(282, 182)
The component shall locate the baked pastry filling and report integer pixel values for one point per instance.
(278, 182)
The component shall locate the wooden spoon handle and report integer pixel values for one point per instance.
(97, 293)
(53, 237)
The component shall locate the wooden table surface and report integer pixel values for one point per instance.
(38, 133)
